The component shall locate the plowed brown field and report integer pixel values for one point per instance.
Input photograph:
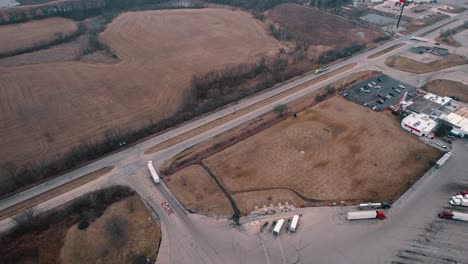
(334, 151)
(45, 109)
(14, 37)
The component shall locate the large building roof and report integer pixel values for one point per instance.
(428, 104)
(457, 121)
(421, 122)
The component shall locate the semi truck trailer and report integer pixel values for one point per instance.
(459, 201)
(153, 173)
(370, 206)
(365, 215)
(419, 39)
(278, 227)
(294, 222)
(454, 216)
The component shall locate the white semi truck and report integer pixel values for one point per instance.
(294, 222)
(153, 173)
(365, 215)
(278, 227)
(454, 216)
(419, 39)
(370, 206)
(460, 201)
(442, 160)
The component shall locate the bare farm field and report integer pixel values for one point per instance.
(448, 88)
(320, 29)
(26, 35)
(334, 151)
(408, 65)
(47, 109)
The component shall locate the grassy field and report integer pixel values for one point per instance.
(19, 36)
(448, 88)
(100, 243)
(68, 103)
(307, 24)
(337, 150)
(191, 186)
(409, 65)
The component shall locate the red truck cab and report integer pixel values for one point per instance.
(380, 215)
(445, 215)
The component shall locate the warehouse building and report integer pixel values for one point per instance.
(427, 104)
(459, 124)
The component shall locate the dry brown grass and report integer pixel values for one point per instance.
(448, 88)
(384, 51)
(319, 28)
(191, 186)
(94, 245)
(25, 35)
(413, 66)
(417, 24)
(46, 109)
(351, 153)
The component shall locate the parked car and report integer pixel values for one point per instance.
(380, 101)
(375, 108)
(437, 43)
(379, 79)
(452, 137)
(401, 86)
(374, 83)
(447, 140)
(397, 90)
(391, 94)
(456, 98)
(440, 145)
(388, 96)
(345, 94)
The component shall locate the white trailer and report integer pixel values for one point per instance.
(370, 206)
(153, 173)
(278, 227)
(419, 39)
(365, 215)
(294, 222)
(454, 216)
(442, 160)
(459, 202)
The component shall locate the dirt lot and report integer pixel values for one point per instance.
(335, 151)
(408, 65)
(28, 34)
(319, 28)
(97, 245)
(159, 52)
(420, 23)
(448, 88)
(191, 185)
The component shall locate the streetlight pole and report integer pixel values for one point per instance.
(403, 2)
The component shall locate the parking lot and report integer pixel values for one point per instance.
(379, 92)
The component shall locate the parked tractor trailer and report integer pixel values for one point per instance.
(278, 227)
(370, 206)
(365, 215)
(454, 216)
(460, 200)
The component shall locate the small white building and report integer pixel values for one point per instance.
(419, 124)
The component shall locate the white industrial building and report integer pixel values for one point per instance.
(459, 124)
(419, 124)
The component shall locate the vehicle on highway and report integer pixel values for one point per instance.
(318, 71)
(365, 215)
(294, 223)
(453, 215)
(278, 227)
(153, 173)
(440, 145)
(419, 39)
(369, 205)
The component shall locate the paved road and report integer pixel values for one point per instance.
(196, 239)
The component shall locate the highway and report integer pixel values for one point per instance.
(324, 236)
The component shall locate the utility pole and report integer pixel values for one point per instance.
(403, 2)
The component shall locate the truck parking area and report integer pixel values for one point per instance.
(379, 92)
